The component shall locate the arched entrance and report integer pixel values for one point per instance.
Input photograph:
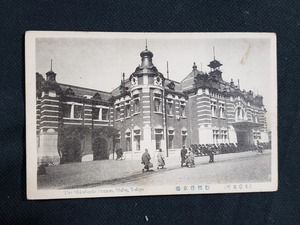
(71, 151)
(100, 148)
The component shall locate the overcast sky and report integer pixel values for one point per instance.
(99, 62)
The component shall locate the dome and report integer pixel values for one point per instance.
(146, 53)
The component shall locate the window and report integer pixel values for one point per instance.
(137, 139)
(78, 111)
(182, 110)
(256, 135)
(255, 117)
(222, 110)
(118, 111)
(157, 101)
(224, 136)
(72, 110)
(170, 138)
(158, 138)
(95, 113)
(157, 105)
(136, 103)
(66, 110)
(127, 109)
(183, 137)
(240, 114)
(105, 114)
(213, 106)
(215, 136)
(169, 107)
(128, 140)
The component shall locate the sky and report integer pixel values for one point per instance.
(98, 62)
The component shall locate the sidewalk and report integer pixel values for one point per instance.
(96, 173)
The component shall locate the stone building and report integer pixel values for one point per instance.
(147, 110)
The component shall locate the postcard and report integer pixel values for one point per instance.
(135, 114)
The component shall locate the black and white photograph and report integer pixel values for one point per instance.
(132, 114)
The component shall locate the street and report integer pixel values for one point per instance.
(228, 168)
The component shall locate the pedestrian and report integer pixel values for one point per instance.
(119, 153)
(146, 160)
(259, 147)
(160, 160)
(183, 155)
(211, 154)
(190, 159)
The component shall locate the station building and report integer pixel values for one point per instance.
(147, 110)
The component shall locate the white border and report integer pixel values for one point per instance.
(31, 148)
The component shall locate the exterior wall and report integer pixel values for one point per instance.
(193, 122)
(49, 118)
(204, 116)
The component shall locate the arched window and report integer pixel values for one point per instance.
(157, 101)
(158, 132)
(240, 114)
(136, 101)
(183, 136)
(222, 110)
(127, 140)
(171, 134)
(137, 138)
(169, 105)
(213, 106)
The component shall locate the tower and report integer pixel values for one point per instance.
(49, 113)
(148, 109)
(215, 71)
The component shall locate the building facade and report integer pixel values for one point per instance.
(147, 110)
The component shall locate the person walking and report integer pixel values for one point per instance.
(183, 155)
(211, 154)
(146, 160)
(190, 159)
(160, 160)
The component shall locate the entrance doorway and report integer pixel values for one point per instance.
(71, 151)
(100, 149)
(241, 138)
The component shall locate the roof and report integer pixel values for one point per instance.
(80, 91)
(188, 82)
(177, 85)
(117, 90)
(214, 64)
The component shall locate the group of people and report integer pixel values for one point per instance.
(223, 148)
(187, 158)
(146, 160)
